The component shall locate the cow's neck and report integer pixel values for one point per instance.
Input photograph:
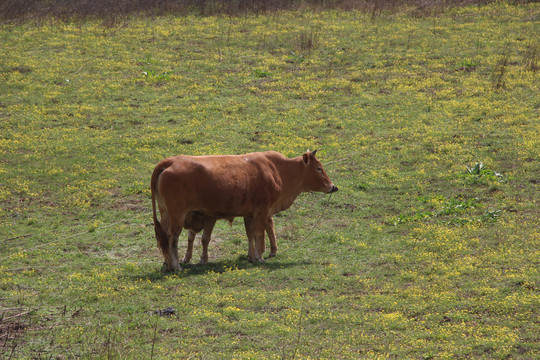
(292, 184)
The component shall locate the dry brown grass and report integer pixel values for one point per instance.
(111, 10)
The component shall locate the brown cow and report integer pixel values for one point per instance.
(197, 222)
(254, 186)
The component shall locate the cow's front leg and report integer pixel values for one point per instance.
(207, 233)
(259, 225)
(248, 222)
(269, 227)
(189, 250)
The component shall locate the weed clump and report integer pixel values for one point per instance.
(499, 72)
(480, 174)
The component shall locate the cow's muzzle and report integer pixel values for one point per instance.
(333, 189)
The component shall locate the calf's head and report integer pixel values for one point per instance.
(315, 178)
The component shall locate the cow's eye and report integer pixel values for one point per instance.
(319, 168)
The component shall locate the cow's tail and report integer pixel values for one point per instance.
(161, 236)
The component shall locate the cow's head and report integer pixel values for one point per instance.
(316, 178)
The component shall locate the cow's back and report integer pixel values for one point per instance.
(231, 185)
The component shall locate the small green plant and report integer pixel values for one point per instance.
(477, 169)
(479, 174)
(420, 216)
(466, 65)
(362, 186)
(146, 60)
(261, 73)
(150, 72)
(438, 209)
(491, 216)
(155, 76)
(296, 58)
(458, 206)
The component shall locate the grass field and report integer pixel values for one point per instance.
(429, 125)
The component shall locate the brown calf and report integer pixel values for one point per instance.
(254, 186)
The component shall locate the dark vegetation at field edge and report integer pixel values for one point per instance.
(112, 10)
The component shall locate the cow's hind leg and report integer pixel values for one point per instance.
(172, 237)
(174, 263)
(189, 250)
(163, 237)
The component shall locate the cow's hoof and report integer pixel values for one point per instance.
(272, 255)
(203, 261)
(167, 269)
(185, 260)
(175, 266)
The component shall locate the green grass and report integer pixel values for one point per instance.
(423, 253)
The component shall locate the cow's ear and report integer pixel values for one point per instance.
(306, 157)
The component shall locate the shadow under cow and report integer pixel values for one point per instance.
(215, 267)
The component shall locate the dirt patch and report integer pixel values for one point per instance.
(136, 203)
(13, 325)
